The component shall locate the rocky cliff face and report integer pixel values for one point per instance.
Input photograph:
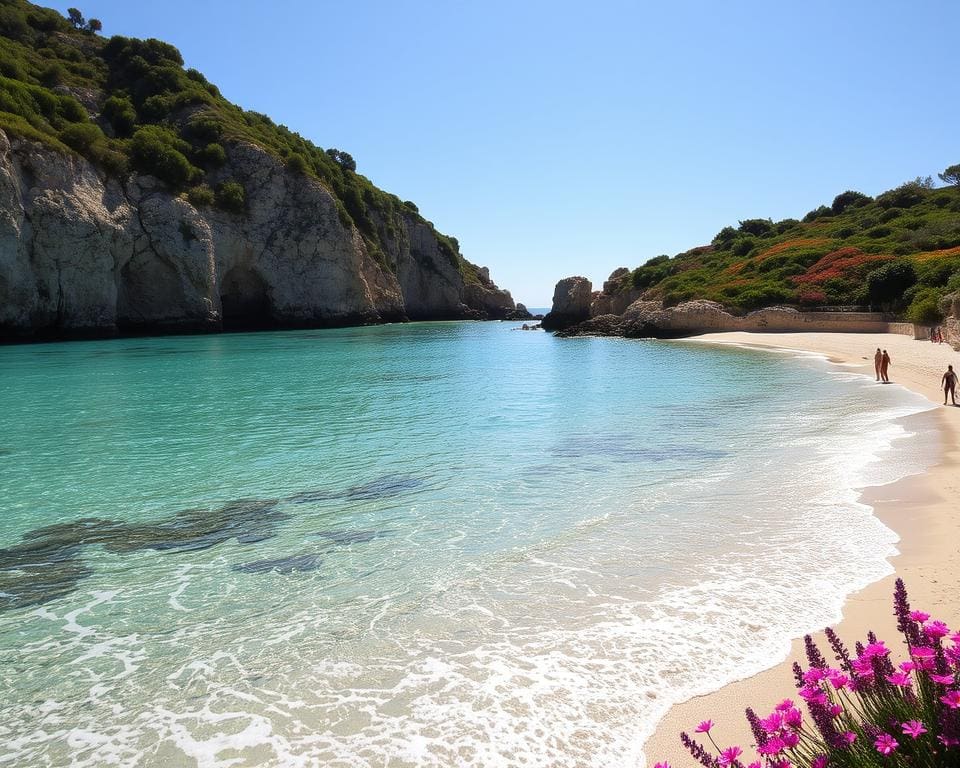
(84, 254)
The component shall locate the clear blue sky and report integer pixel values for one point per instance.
(555, 138)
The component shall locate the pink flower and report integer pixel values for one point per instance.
(820, 761)
(948, 741)
(704, 727)
(924, 657)
(862, 667)
(772, 724)
(920, 616)
(784, 705)
(953, 654)
(812, 694)
(952, 699)
(876, 649)
(885, 744)
(790, 739)
(814, 675)
(835, 710)
(913, 728)
(773, 746)
(837, 679)
(661, 765)
(900, 678)
(793, 717)
(754, 764)
(729, 755)
(955, 638)
(907, 666)
(942, 679)
(781, 763)
(848, 736)
(936, 629)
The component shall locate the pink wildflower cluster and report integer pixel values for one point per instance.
(864, 710)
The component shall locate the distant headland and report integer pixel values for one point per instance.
(890, 263)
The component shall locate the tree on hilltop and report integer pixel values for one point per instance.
(76, 18)
(343, 159)
(951, 175)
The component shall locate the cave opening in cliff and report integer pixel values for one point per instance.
(244, 300)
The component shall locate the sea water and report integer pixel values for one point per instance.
(436, 544)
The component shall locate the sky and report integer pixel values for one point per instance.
(556, 138)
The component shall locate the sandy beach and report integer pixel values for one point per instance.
(923, 509)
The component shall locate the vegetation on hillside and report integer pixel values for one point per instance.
(898, 252)
(130, 105)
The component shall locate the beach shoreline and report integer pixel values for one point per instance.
(920, 508)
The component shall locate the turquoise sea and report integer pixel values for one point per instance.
(435, 544)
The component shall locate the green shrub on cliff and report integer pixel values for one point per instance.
(231, 196)
(158, 151)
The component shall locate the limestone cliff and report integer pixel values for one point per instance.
(82, 253)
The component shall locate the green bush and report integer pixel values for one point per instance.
(724, 237)
(200, 195)
(121, 114)
(905, 196)
(297, 163)
(159, 152)
(53, 74)
(887, 284)
(743, 246)
(212, 155)
(82, 136)
(849, 199)
(924, 309)
(756, 227)
(231, 196)
(817, 213)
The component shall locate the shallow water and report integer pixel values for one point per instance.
(429, 544)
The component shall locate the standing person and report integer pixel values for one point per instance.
(949, 383)
(877, 359)
(884, 366)
(933, 335)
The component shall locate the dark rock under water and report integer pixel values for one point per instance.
(47, 563)
(291, 564)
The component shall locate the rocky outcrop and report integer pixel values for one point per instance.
(950, 328)
(571, 303)
(615, 296)
(650, 319)
(82, 254)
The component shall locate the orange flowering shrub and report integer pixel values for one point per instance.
(797, 242)
(942, 254)
(844, 262)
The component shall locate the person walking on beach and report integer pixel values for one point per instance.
(949, 384)
(877, 359)
(884, 366)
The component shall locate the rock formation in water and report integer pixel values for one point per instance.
(571, 303)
